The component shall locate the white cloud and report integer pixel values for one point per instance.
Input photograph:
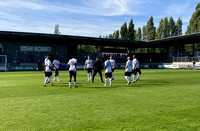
(88, 7)
(88, 17)
(10, 17)
(21, 4)
(114, 7)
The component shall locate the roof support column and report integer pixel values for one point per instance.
(160, 55)
(168, 56)
(96, 51)
(176, 51)
(193, 50)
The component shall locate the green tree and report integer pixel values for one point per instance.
(110, 36)
(116, 34)
(139, 34)
(179, 27)
(131, 31)
(165, 28)
(151, 29)
(124, 31)
(144, 33)
(194, 24)
(159, 33)
(172, 27)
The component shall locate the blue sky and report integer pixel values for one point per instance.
(88, 17)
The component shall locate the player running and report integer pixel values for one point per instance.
(128, 70)
(72, 71)
(47, 70)
(108, 73)
(89, 65)
(135, 69)
(56, 64)
(114, 66)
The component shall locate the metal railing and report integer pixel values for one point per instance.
(186, 59)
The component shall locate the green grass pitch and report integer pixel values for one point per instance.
(162, 100)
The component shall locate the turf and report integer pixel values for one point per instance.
(161, 100)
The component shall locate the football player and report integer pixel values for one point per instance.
(47, 70)
(72, 71)
(56, 64)
(114, 66)
(128, 70)
(108, 73)
(89, 65)
(135, 69)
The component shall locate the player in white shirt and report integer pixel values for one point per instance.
(45, 60)
(89, 65)
(56, 64)
(114, 66)
(47, 70)
(72, 71)
(108, 73)
(135, 69)
(128, 70)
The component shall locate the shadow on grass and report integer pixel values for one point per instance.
(150, 83)
(116, 84)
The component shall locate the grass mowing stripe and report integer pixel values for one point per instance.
(162, 100)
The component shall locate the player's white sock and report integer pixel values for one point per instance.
(106, 81)
(55, 78)
(46, 78)
(134, 78)
(74, 83)
(70, 84)
(50, 80)
(126, 77)
(45, 81)
(110, 81)
(88, 76)
(129, 79)
(138, 76)
(58, 78)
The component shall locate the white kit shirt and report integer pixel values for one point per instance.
(56, 63)
(45, 60)
(129, 66)
(72, 63)
(108, 65)
(89, 63)
(113, 62)
(48, 64)
(135, 61)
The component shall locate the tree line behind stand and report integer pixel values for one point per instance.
(167, 28)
